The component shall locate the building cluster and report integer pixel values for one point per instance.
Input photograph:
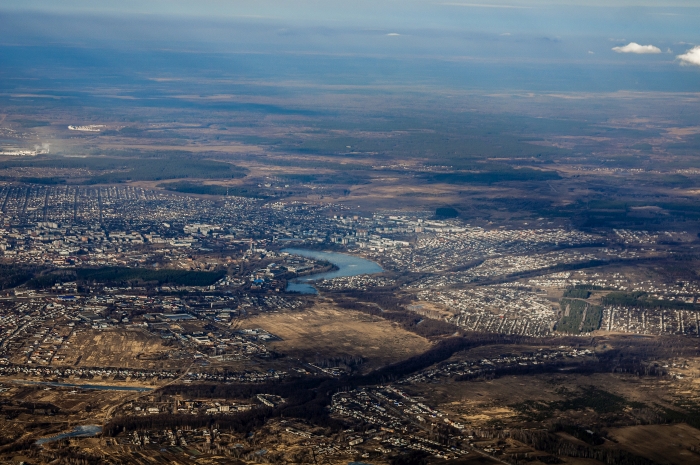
(681, 291)
(123, 225)
(502, 308)
(204, 438)
(87, 373)
(487, 365)
(654, 321)
(652, 318)
(472, 271)
(10, 133)
(399, 421)
(102, 374)
(636, 237)
(358, 283)
(87, 128)
(448, 245)
(48, 331)
(505, 266)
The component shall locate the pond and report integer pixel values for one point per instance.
(348, 265)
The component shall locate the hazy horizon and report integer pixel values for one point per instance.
(486, 46)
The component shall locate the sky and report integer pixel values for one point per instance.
(487, 45)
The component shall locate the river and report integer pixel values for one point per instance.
(348, 265)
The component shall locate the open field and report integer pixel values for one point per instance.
(129, 349)
(325, 331)
(35, 411)
(664, 444)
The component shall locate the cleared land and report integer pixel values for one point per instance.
(127, 349)
(653, 441)
(328, 332)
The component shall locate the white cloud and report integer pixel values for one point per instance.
(691, 57)
(634, 47)
(506, 34)
(393, 34)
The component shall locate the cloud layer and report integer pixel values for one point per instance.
(691, 57)
(634, 47)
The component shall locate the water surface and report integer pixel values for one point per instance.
(348, 265)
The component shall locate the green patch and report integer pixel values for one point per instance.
(45, 181)
(50, 279)
(14, 275)
(176, 277)
(589, 398)
(505, 174)
(597, 400)
(689, 413)
(446, 212)
(575, 293)
(534, 411)
(136, 169)
(642, 300)
(579, 316)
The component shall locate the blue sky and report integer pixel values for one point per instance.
(615, 44)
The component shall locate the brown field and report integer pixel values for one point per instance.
(481, 402)
(326, 331)
(118, 348)
(75, 406)
(490, 403)
(661, 443)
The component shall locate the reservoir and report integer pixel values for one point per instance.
(347, 265)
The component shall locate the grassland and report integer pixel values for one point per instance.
(118, 348)
(652, 441)
(641, 299)
(331, 332)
